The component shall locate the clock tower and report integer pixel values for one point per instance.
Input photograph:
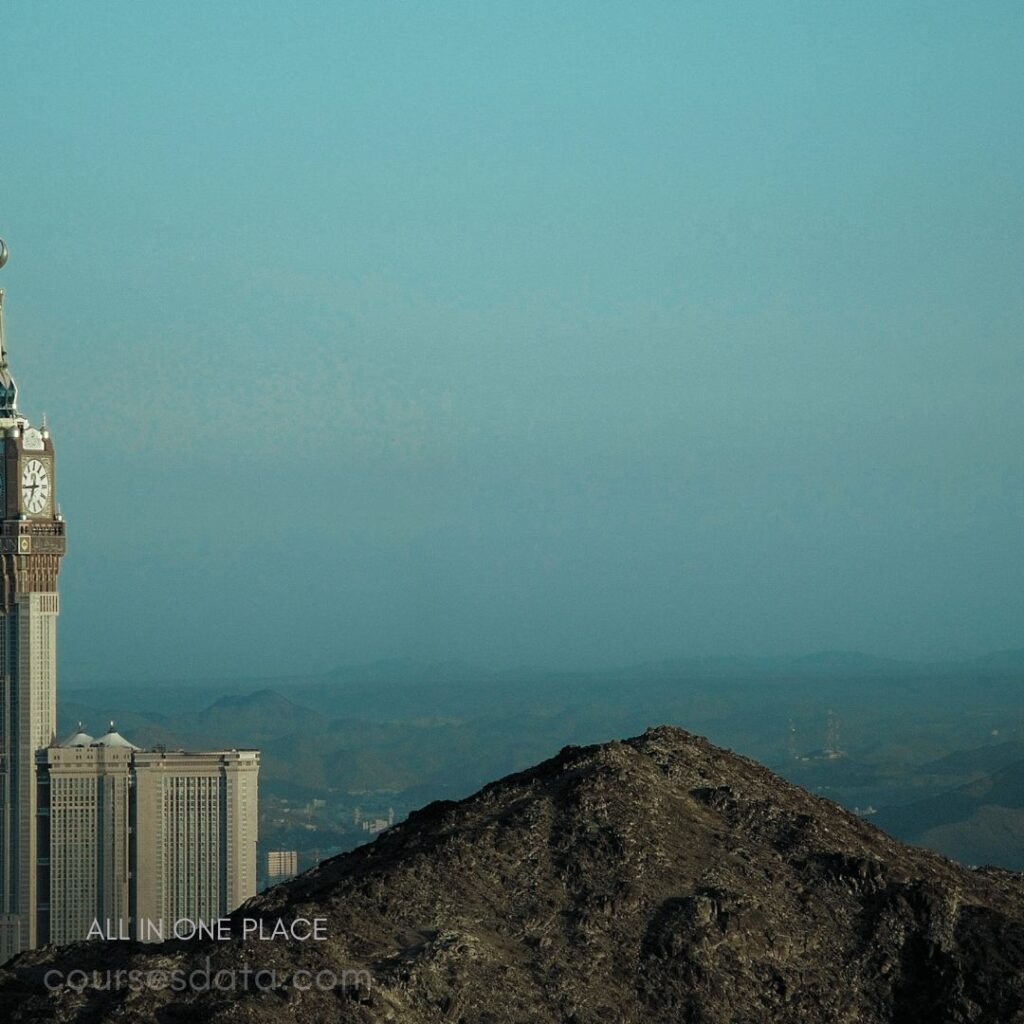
(31, 545)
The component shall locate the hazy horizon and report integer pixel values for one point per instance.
(572, 336)
(412, 665)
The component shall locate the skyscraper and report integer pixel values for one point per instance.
(193, 836)
(32, 543)
(93, 832)
(131, 842)
(83, 866)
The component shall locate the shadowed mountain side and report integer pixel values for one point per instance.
(977, 822)
(989, 834)
(658, 879)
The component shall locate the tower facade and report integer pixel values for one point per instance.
(93, 831)
(32, 543)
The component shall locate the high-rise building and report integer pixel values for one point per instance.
(193, 836)
(84, 796)
(133, 842)
(32, 543)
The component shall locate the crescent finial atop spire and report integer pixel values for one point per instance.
(8, 389)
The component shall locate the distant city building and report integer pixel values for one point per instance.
(375, 825)
(281, 865)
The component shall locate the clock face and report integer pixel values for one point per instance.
(35, 486)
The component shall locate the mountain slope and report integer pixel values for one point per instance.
(979, 822)
(658, 879)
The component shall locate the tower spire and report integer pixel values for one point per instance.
(8, 389)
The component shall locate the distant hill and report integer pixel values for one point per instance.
(257, 717)
(990, 834)
(426, 714)
(980, 822)
(234, 720)
(398, 732)
(982, 760)
(404, 671)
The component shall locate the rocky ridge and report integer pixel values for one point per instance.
(655, 879)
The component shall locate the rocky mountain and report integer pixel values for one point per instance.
(657, 879)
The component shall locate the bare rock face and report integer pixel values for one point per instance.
(657, 879)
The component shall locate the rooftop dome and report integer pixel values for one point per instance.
(114, 739)
(79, 738)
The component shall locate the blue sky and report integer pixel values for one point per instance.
(569, 334)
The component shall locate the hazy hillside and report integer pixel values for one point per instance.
(381, 739)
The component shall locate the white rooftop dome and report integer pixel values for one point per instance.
(114, 739)
(79, 738)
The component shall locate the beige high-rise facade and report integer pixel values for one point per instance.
(134, 842)
(32, 543)
(84, 794)
(194, 837)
